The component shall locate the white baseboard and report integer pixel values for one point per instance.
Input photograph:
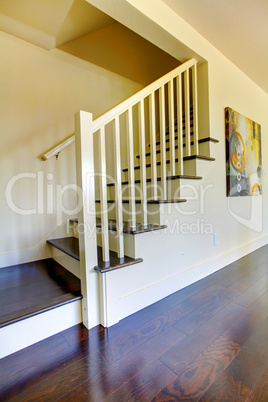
(122, 303)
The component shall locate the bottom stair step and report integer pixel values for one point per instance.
(70, 246)
(33, 288)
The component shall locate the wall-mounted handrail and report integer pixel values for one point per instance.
(54, 151)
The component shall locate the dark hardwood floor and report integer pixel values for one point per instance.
(206, 342)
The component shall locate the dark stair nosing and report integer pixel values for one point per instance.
(176, 177)
(115, 262)
(126, 226)
(207, 139)
(148, 201)
(29, 312)
(201, 157)
(70, 246)
(185, 158)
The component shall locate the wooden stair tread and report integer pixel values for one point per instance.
(201, 157)
(70, 246)
(36, 287)
(148, 201)
(126, 226)
(207, 139)
(179, 176)
(185, 158)
(115, 262)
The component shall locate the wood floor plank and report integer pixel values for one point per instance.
(193, 381)
(245, 326)
(125, 343)
(260, 392)
(183, 352)
(144, 386)
(189, 305)
(65, 380)
(112, 377)
(250, 363)
(225, 389)
(224, 318)
(249, 297)
(40, 364)
(205, 311)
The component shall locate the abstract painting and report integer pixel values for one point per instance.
(243, 155)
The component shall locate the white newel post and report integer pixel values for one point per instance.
(87, 218)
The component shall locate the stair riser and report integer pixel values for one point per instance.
(153, 213)
(129, 246)
(207, 148)
(190, 167)
(196, 167)
(129, 242)
(66, 261)
(177, 188)
(138, 192)
(158, 155)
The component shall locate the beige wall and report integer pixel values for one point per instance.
(228, 86)
(241, 223)
(40, 93)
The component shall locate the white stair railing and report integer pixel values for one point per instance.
(176, 93)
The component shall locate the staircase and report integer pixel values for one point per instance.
(135, 165)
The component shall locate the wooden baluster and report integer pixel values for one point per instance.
(179, 124)
(195, 110)
(187, 113)
(163, 142)
(171, 126)
(143, 183)
(153, 145)
(103, 196)
(131, 175)
(118, 189)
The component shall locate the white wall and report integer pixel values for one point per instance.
(228, 86)
(40, 93)
(174, 261)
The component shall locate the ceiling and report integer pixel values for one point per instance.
(50, 23)
(237, 28)
(78, 28)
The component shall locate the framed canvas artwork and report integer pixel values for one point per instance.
(243, 155)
